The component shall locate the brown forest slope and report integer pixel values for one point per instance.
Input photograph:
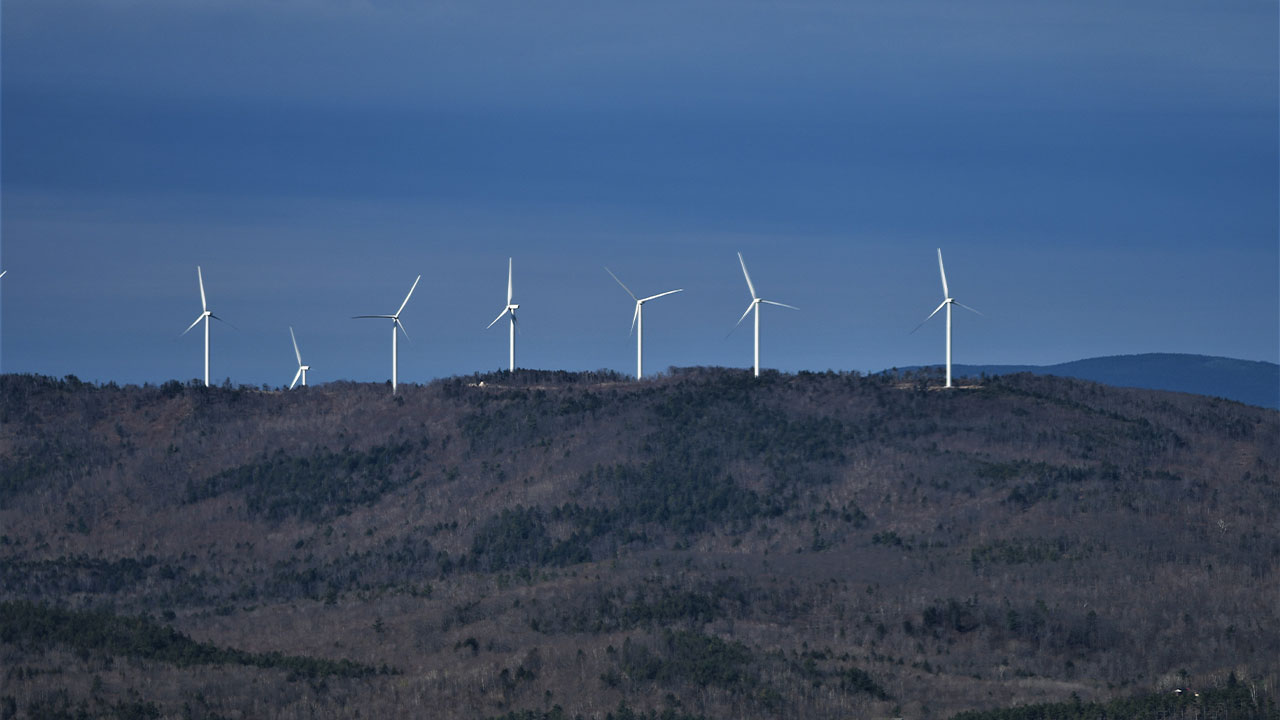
(722, 546)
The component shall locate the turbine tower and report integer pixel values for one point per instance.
(205, 315)
(395, 323)
(637, 320)
(756, 301)
(302, 369)
(947, 302)
(509, 309)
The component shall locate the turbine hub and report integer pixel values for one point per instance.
(513, 307)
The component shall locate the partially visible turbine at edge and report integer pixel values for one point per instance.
(2, 272)
(637, 320)
(511, 310)
(395, 323)
(302, 369)
(756, 301)
(947, 302)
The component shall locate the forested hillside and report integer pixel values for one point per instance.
(703, 544)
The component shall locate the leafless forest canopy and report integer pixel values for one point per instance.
(704, 544)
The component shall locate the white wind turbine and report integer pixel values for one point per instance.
(205, 315)
(947, 302)
(302, 369)
(509, 309)
(756, 300)
(637, 320)
(395, 323)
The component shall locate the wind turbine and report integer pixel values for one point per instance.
(205, 315)
(637, 320)
(756, 300)
(2, 272)
(302, 369)
(395, 323)
(947, 302)
(509, 309)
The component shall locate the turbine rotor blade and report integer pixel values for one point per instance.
(744, 317)
(204, 305)
(295, 349)
(197, 322)
(935, 312)
(2, 272)
(655, 297)
(942, 271)
(624, 287)
(380, 317)
(634, 317)
(747, 275)
(406, 297)
(295, 378)
(495, 320)
(401, 326)
(966, 307)
(233, 327)
(508, 281)
(770, 302)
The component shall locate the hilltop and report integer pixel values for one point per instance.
(1246, 381)
(703, 544)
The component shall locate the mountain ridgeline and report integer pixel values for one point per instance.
(703, 544)
(1246, 381)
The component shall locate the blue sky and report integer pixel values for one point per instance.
(1102, 178)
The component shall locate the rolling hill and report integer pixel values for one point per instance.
(702, 544)
(1246, 381)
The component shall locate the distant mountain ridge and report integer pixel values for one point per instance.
(1247, 381)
